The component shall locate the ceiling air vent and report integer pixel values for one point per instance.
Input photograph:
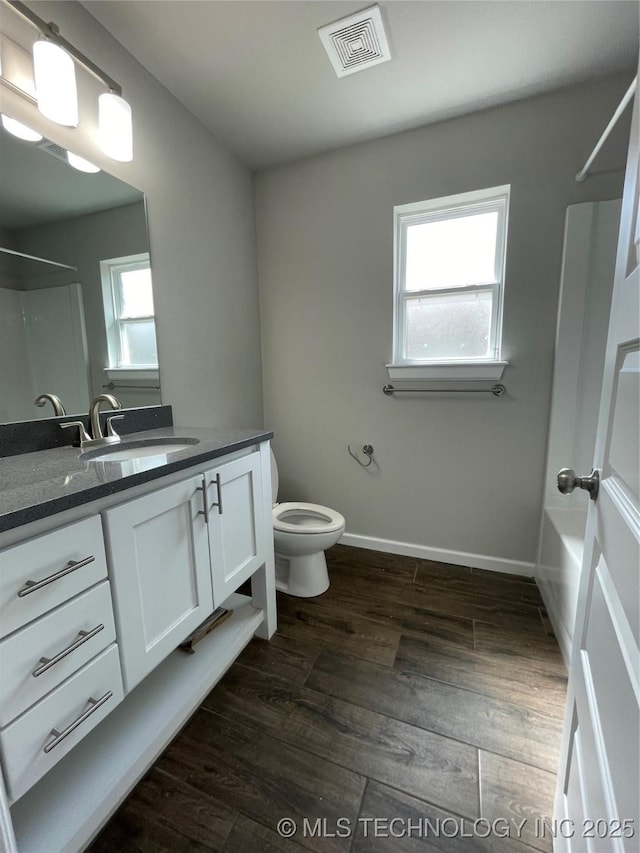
(356, 42)
(53, 149)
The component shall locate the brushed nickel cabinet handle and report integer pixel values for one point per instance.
(218, 486)
(71, 566)
(83, 637)
(59, 736)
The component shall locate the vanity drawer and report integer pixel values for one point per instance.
(68, 637)
(40, 574)
(29, 745)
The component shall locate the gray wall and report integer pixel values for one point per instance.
(201, 228)
(458, 472)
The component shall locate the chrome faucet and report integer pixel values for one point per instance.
(94, 417)
(55, 401)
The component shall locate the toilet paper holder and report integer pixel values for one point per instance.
(367, 449)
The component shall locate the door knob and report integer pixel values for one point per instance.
(567, 482)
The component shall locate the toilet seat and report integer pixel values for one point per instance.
(304, 518)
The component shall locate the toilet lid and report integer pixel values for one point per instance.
(296, 517)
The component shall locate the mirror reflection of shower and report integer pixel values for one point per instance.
(42, 350)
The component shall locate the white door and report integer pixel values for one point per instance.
(598, 792)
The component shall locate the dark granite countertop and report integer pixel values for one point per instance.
(40, 484)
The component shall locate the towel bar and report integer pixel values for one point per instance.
(498, 390)
(111, 385)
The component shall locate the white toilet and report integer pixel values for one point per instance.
(301, 534)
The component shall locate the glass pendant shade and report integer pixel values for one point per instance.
(16, 128)
(115, 127)
(80, 163)
(55, 78)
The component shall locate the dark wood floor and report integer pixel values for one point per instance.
(410, 690)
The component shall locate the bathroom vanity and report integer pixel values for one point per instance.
(106, 567)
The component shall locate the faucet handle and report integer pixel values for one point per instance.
(84, 436)
(110, 430)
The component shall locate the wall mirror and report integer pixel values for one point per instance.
(76, 305)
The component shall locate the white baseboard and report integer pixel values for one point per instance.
(440, 555)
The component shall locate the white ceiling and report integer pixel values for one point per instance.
(256, 74)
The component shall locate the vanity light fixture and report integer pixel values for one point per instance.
(114, 127)
(55, 77)
(16, 128)
(80, 163)
(54, 61)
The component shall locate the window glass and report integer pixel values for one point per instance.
(449, 326)
(451, 252)
(138, 343)
(136, 294)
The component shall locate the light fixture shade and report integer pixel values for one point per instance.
(80, 163)
(16, 128)
(115, 127)
(55, 77)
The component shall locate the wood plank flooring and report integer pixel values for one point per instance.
(413, 706)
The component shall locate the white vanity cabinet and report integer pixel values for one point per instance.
(159, 565)
(176, 547)
(238, 538)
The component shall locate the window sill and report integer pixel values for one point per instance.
(139, 374)
(465, 371)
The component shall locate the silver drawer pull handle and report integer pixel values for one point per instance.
(72, 565)
(59, 736)
(218, 486)
(83, 637)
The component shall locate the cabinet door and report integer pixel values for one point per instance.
(237, 531)
(159, 564)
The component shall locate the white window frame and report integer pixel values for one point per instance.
(492, 199)
(110, 271)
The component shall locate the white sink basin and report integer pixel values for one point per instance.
(124, 451)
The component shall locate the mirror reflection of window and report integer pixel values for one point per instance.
(129, 313)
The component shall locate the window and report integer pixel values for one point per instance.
(448, 283)
(129, 314)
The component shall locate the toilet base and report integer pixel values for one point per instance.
(302, 577)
